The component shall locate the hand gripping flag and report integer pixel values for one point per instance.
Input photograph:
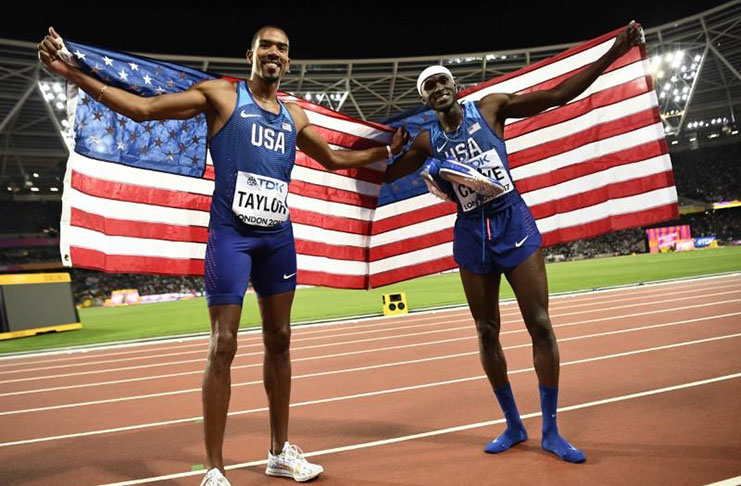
(136, 195)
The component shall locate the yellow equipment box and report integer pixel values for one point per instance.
(395, 304)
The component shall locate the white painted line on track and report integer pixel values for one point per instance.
(728, 482)
(362, 368)
(681, 281)
(360, 395)
(448, 430)
(361, 341)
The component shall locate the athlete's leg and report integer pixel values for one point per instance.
(530, 284)
(482, 293)
(276, 333)
(217, 378)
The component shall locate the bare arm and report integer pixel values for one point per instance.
(412, 159)
(498, 107)
(314, 145)
(186, 104)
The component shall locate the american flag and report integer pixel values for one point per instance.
(597, 164)
(137, 195)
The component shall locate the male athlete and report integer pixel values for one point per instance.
(253, 139)
(496, 234)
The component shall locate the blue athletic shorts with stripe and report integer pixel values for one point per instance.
(234, 257)
(497, 242)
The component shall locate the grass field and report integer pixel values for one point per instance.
(102, 325)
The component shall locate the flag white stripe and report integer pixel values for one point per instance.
(124, 245)
(334, 266)
(621, 173)
(545, 73)
(344, 126)
(336, 181)
(413, 230)
(613, 207)
(406, 206)
(329, 208)
(590, 151)
(412, 258)
(330, 237)
(581, 123)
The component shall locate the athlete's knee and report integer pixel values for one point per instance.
(488, 330)
(540, 329)
(277, 338)
(223, 348)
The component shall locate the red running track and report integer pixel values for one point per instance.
(650, 387)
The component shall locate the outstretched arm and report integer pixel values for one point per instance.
(498, 107)
(186, 104)
(314, 145)
(412, 159)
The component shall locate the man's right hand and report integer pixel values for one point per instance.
(49, 54)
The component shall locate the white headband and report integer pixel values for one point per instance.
(431, 71)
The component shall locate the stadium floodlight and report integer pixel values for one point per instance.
(60, 105)
(54, 189)
(667, 86)
(57, 87)
(36, 175)
(34, 189)
(49, 96)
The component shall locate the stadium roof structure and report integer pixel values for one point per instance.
(696, 63)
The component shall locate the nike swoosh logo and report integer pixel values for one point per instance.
(248, 115)
(521, 242)
(286, 277)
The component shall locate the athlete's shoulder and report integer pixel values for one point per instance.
(213, 86)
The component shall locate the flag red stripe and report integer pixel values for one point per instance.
(307, 105)
(412, 271)
(363, 174)
(599, 195)
(592, 134)
(412, 244)
(413, 217)
(334, 252)
(137, 229)
(645, 217)
(83, 257)
(336, 223)
(615, 159)
(209, 173)
(573, 110)
(121, 191)
(326, 193)
(308, 277)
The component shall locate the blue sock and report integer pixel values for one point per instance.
(515, 432)
(552, 441)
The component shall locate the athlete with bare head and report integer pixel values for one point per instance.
(495, 232)
(253, 138)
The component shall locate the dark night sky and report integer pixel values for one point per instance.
(348, 30)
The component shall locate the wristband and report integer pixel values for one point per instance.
(388, 149)
(100, 93)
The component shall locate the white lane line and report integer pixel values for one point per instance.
(363, 368)
(358, 395)
(728, 482)
(361, 341)
(448, 430)
(591, 298)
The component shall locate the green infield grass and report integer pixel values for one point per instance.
(111, 324)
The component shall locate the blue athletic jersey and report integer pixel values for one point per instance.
(253, 157)
(476, 144)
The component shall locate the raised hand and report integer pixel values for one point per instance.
(401, 136)
(51, 52)
(631, 36)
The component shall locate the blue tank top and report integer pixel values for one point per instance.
(476, 144)
(253, 156)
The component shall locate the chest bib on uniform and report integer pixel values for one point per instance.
(260, 200)
(489, 164)
(475, 144)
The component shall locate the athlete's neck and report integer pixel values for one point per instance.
(451, 119)
(262, 90)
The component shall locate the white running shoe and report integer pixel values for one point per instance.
(290, 463)
(214, 478)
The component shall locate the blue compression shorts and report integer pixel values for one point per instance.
(497, 242)
(234, 257)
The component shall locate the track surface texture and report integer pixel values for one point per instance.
(650, 389)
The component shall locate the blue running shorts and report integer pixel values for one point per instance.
(496, 242)
(234, 257)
